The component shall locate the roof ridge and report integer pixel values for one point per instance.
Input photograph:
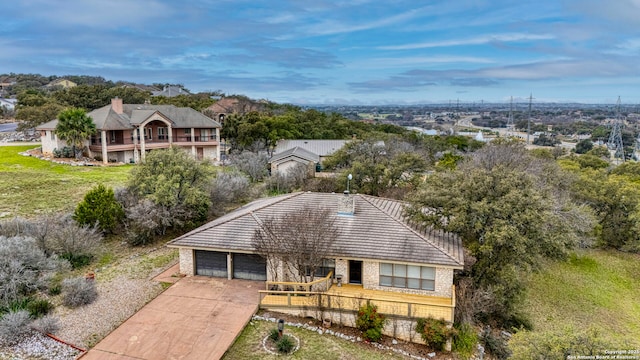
(445, 252)
(211, 223)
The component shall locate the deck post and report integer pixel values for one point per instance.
(409, 309)
(289, 299)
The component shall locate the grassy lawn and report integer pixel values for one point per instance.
(594, 287)
(312, 346)
(29, 185)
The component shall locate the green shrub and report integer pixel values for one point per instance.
(370, 322)
(19, 304)
(433, 332)
(464, 341)
(77, 260)
(55, 285)
(99, 207)
(39, 307)
(285, 344)
(274, 335)
(65, 152)
(78, 291)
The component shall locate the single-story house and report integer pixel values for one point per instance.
(127, 131)
(378, 249)
(288, 159)
(312, 153)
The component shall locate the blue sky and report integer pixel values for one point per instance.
(339, 52)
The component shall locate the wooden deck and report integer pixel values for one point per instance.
(352, 297)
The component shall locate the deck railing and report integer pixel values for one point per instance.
(315, 300)
(322, 284)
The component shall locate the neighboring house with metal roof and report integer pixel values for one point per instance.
(127, 131)
(378, 250)
(288, 153)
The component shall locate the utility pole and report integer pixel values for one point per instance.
(510, 124)
(529, 120)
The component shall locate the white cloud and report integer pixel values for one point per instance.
(332, 27)
(479, 40)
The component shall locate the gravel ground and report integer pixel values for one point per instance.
(117, 300)
(123, 288)
(38, 346)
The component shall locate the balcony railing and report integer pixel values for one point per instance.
(196, 138)
(322, 284)
(129, 141)
(351, 298)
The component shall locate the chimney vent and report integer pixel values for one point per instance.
(116, 105)
(346, 204)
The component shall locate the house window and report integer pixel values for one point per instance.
(162, 133)
(323, 270)
(53, 136)
(113, 136)
(148, 134)
(187, 131)
(407, 276)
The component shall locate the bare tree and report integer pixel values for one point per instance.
(252, 164)
(300, 239)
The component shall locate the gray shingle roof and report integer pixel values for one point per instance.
(295, 152)
(378, 230)
(320, 147)
(133, 114)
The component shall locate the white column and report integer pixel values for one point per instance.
(170, 130)
(229, 266)
(136, 157)
(193, 137)
(218, 146)
(142, 152)
(103, 140)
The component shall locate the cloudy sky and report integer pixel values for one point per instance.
(342, 52)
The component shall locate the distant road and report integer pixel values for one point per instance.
(10, 127)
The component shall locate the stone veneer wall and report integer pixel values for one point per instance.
(371, 280)
(399, 328)
(342, 269)
(186, 262)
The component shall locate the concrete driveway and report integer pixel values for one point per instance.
(196, 318)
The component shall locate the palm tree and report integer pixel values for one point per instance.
(74, 127)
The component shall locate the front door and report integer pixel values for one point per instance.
(355, 272)
(200, 152)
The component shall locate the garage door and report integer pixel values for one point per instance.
(211, 263)
(249, 267)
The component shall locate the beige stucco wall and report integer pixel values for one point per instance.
(48, 145)
(186, 262)
(211, 152)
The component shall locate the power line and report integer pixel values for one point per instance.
(615, 138)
